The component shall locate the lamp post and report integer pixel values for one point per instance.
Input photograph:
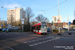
(22, 21)
(11, 22)
(58, 16)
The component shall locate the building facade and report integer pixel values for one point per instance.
(62, 25)
(55, 19)
(15, 15)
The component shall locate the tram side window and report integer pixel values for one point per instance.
(36, 27)
(33, 28)
(39, 27)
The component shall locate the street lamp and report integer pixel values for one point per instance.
(58, 9)
(11, 19)
(3, 18)
(3, 7)
(11, 12)
(58, 16)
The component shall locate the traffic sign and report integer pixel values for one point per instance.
(1, 25)
(50, 24)
(6, 25)
(69, 23)
(58, 21)
(22, 21)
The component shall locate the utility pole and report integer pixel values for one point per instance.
(15, 16)
(74, 14)
(58, 16)
(22, 27)
(58, 9)
(3, 22)
(52, 27)
(11, 22)
(0, 22)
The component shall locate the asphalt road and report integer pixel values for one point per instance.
(32, 41)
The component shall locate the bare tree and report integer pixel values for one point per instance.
(41, 18)
(29, 14)
(32, 22)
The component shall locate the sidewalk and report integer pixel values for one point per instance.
(65, 34)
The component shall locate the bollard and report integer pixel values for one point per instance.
(69, 33)
(59, 34)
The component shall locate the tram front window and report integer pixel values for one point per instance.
(43, 26)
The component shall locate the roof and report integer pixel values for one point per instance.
(37, 24)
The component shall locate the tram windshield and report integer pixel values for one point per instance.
(43, 25)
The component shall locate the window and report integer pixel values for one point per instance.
(33, 27)
(39, 27)
(43, 26)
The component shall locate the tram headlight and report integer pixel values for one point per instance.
(40, 31)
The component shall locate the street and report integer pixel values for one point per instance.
(37, 25)
(32, 41)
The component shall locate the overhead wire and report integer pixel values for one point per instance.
(54, 6)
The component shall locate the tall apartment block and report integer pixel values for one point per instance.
(15, 15)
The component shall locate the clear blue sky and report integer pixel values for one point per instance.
(67, 8)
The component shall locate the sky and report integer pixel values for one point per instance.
(50, 7)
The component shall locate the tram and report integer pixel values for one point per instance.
(40, 28)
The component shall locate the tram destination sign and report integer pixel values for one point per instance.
(43, 23)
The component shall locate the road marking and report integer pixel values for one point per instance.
(29, 41)
(36, 40)
(36, 44)
(33, 40)
(40, 43)
(30, 45)
(39, 39)
(4, 34)
(6, 46)
(44, 41)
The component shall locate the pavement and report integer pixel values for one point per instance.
(11, 41)
(32, 41)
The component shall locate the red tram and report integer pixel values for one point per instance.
(40, 28)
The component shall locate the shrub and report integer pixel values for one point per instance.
(56, 30)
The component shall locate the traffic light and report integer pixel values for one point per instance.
(73, 22)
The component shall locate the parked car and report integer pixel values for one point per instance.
(48, 29)
(4, 29)
(9, 29)
(72, 29)
(64, 29)
(0, 29)
(15, 28)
